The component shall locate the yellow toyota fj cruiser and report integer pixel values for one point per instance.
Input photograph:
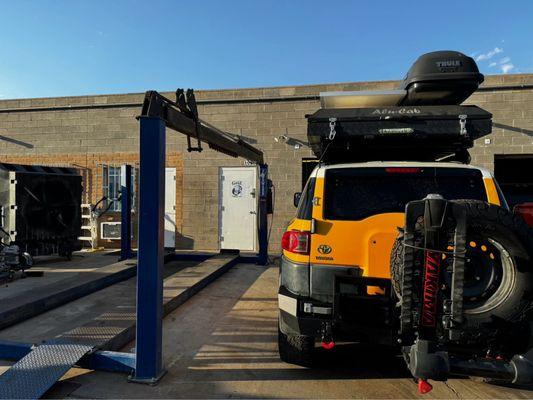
(398, 241)
(346, 224)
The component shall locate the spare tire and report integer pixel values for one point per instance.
(499, 265)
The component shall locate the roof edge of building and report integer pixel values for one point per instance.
(238, 95)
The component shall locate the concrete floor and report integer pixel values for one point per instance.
(222, 343)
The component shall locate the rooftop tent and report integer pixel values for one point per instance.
(409, 133)
(421, 120)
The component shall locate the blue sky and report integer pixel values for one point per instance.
(63, 48)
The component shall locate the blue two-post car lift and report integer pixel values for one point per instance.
(181, 115)
(38, 367)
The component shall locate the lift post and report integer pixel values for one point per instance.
(149, 364)
(126, 192)
(158, 112)
(262, 257)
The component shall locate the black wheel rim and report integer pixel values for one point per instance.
(483, 272)
(489, 275)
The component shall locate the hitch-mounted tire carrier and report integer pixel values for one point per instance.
(425, 356)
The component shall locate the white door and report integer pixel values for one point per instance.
(238, 208)
(170, 207)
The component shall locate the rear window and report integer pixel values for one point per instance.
(305, 207)
(356, 193)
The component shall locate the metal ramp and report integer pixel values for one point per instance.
(34, 374)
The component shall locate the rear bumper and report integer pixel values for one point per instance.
(314, 280)
(351, 316)
(292, 318)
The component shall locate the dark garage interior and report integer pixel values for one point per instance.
(513, 174)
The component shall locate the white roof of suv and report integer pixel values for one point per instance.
(319, 170)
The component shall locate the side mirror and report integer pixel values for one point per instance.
(525, 210)
(296, 199)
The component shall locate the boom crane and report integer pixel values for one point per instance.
(181, 115)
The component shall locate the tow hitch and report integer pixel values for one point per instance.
(517, 370)
(327, 342)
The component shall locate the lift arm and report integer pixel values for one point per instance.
(182, 116)
(159, 113)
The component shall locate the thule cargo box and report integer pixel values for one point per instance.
(440, 78)
(395, 133)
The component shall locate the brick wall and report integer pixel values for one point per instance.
(512, 120)
(258, 114)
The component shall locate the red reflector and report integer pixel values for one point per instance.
(296, 242)
(328, 345)
(403, 170)
(525, 210)
(424, 386)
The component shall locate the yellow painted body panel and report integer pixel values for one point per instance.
(366, 243)
(492, 193)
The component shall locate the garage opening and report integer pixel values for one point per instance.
(308, 164)
(511, 172)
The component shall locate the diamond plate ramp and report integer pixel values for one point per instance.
(34, 374)
(39, 370)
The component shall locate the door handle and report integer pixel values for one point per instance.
(253, 212)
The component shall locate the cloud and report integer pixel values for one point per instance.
(506, 68)
(505, 60)
(489, 55)
(504, 64)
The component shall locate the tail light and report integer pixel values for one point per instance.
(296, 242)
(403, 170)
(525, 210)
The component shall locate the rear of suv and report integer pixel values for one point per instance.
(399, 241)
(335, 278)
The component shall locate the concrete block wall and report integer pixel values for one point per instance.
(106, 124)
(512, 111)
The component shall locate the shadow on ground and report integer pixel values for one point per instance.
(222, 343)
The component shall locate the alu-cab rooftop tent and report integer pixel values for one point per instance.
(422, 120)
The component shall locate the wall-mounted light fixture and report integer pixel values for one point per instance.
(295, 143)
